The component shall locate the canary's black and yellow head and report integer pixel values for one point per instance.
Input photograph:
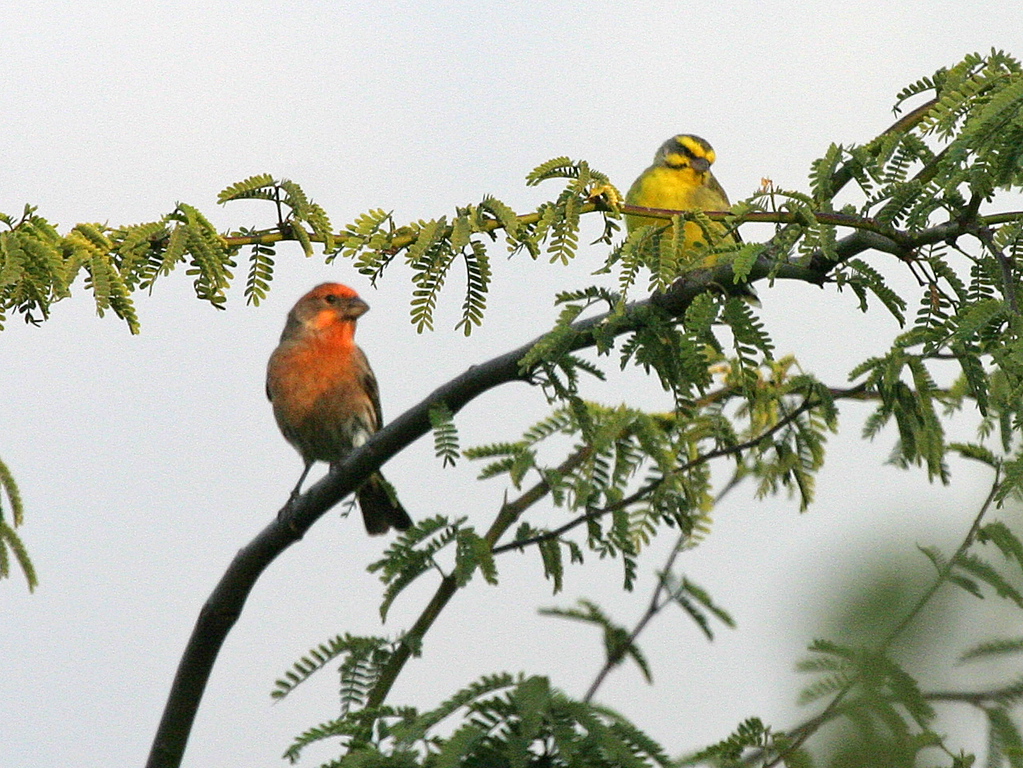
(679, 179)
(686, 151)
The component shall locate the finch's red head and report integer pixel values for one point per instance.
(327, 304)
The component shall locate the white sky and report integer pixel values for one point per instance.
(146, 462)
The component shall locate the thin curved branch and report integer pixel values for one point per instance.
(660, 598)
(907, 122)
(979, 699)
(593, 514)
(946, 571)
(655, 605)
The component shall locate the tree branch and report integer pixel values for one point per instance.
(838, 180)
(653, 608)
(658, 601)
(650, 487)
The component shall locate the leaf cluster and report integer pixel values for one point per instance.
(506, 721)
(11, 544)
(38, 266)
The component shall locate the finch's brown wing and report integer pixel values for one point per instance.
(380, 507)
(368, 382)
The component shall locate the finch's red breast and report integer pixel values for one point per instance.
(319, 381)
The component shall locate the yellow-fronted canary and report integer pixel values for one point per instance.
(680, 179)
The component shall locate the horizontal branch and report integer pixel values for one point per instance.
(839, 179)
(1006, 695)
(271, 236)
(868, 234)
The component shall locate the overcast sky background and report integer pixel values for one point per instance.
(146, 462)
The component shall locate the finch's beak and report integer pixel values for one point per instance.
(357, 307)
(700, 164)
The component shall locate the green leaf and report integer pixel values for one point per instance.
(445, 433)
(998, 533)
(982, 570)
(993, 648)
(255, 187)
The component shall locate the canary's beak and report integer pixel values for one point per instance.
(700, 164)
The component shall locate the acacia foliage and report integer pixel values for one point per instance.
(925, 195)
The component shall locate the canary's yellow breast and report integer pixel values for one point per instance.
(684, 189)
(676, 188)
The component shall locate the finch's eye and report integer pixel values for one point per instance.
(330, 298)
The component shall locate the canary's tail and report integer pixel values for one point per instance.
(747, 294)
(381, 509)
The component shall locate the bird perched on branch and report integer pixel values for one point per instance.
(325, 396)
(680, 179)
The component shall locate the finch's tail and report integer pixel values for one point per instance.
(380, 507)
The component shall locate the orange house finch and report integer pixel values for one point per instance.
(325, 396)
